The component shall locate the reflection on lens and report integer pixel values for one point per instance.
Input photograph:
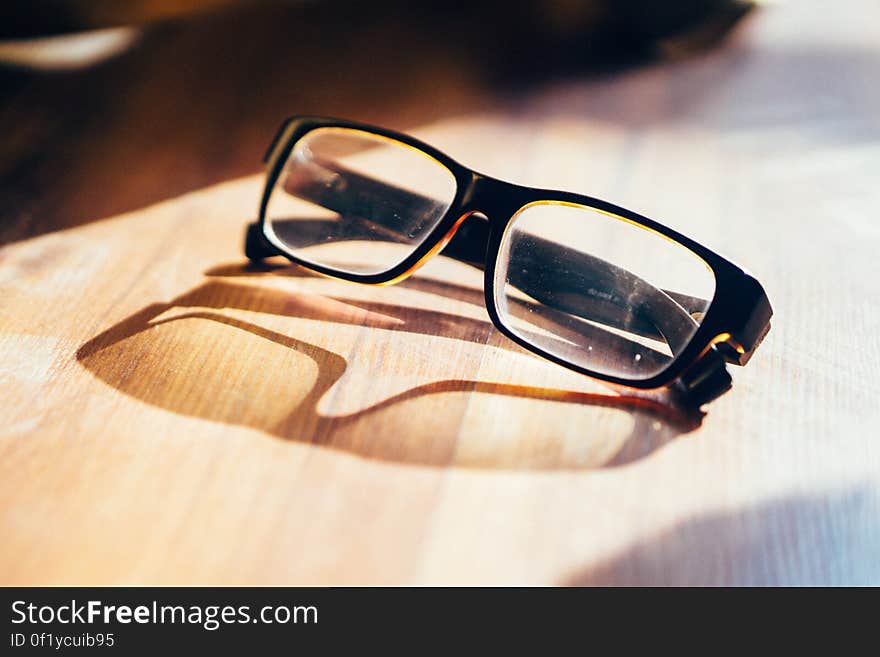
(599, 291)
(356, 202)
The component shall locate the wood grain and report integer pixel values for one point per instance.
(170, 415)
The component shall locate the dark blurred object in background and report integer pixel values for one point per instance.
(34, 18)
(154, 98)
(566, 26)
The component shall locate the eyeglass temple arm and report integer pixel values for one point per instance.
(662, 313)
(703, 381)
(581, 284)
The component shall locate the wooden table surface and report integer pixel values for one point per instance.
(168, 416)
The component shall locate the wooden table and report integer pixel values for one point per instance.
(170, 416)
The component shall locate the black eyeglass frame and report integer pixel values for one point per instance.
(734, 323)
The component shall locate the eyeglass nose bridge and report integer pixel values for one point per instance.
(495, 199)
(486, 207)
(467, 240)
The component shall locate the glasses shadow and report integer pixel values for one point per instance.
(171, 356)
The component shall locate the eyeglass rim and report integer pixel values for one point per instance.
(734, 323)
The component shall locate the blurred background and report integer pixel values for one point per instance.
(110, 105)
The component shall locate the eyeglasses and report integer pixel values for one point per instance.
(583, 283)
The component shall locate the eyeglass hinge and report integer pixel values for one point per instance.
(256, 246)
(707, 379)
